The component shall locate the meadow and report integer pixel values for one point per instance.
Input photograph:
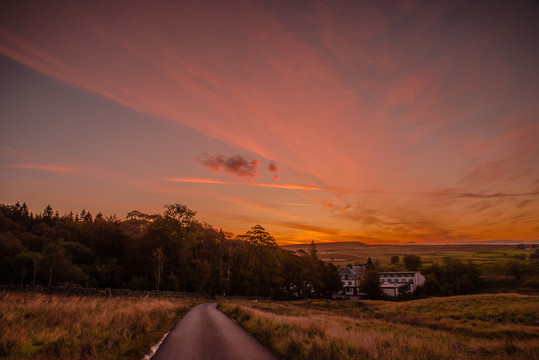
(39, 326)
(493, 260)
(504, 326)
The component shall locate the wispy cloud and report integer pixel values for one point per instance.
(451, 193)
(286, 224)
(292, 204)
(46, 167)
(273, 186)
(357, 97)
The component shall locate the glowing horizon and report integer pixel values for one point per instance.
(380, 122)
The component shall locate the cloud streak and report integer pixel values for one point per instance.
(46, 167)
(272, 186)
(355, 95)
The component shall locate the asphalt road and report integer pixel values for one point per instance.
(205, 333)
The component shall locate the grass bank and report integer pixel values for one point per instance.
(464, 327)
(40, 326)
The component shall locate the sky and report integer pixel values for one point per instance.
(384, 122)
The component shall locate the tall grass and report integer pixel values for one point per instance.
(39, 326)
(468, 327)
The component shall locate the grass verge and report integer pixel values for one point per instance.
(465, 327)
(38, 326)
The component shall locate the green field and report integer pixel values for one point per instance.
(503, 326)
(493, 260)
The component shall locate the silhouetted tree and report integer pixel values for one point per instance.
(159, 258)
(517, 269)
(412, 262)
(371, 284)
(452, 277)
(107, 252)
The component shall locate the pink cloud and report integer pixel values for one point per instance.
(46, 167)
(274, 169)
(354, 94)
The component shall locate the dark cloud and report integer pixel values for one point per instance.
(449, 193)
(235, 165)
(495, 195)
(274, 169)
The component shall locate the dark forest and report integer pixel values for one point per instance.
(171, 251)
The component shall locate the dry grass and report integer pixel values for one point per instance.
(37, 326)
(467, 327)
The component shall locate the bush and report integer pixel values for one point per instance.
(452, 277)
(412, 262)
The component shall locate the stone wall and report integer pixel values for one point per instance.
(79, 291)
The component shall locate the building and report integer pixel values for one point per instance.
(394, 283)
(351, 276)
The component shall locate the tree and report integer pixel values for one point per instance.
(412, 262)
(172, 283)
(371, 284)
(517, 269)
(452, 277)
(263, 265)
(395, 259)
(258, 236)
(180, 213)
(48, 213)
(313, 250)
(23, 263)
(107, 252)
(36, 262)
(159, 258)
(53, 252)
(369, 265)
(534, 255)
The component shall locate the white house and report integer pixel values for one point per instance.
(394, 283)
(351, 276)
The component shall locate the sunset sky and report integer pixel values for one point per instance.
(374, 121)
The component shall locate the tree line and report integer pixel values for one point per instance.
(450, 277)
(169, 251)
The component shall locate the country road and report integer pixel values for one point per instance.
(205, 333)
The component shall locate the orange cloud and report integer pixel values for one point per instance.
(46, 167)
(273, 186)
(351, 94)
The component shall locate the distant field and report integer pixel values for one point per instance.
(466, 327)
(345, 253)
(46, 327)
(493, 260)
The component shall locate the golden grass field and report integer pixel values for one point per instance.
(38, 326)
(465, 327)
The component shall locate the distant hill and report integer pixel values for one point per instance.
(497, 242)
(328, 245)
